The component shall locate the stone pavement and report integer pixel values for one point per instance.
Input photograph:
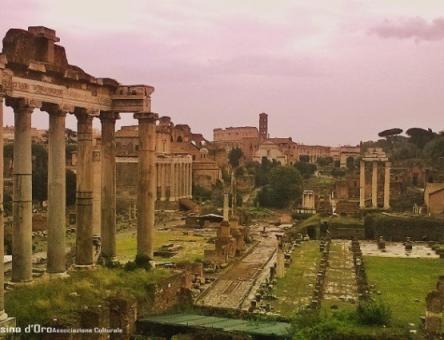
(235, 284)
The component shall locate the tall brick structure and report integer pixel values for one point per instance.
(263, 126)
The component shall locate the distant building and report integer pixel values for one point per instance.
(434, 198)
(180, 163)
(270, 151)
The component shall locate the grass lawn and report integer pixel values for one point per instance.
(193, 245)
(403, 284)
(62, 298)
(293, 290)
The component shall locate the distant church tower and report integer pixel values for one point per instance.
(263, 126)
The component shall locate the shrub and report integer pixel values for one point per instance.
(397, 228)
(374, 313)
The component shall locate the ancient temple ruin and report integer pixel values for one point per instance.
(35, 74)
(376, 157)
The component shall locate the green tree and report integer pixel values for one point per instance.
(390, 133)
(285, 185)
(324, 161)
(434, 150)
(420, 137)
(234, 157)
(305, 169)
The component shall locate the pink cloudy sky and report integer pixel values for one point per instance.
(327, 72)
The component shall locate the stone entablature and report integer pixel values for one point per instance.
(33, 67)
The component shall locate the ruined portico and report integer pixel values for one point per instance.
(376, 157)
(35, 74)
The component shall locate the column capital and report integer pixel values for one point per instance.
(109, 115)
(388, 164)
(150, 116)
(83, 114)
(23, 104)
(56, 110)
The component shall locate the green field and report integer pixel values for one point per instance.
(293, 290)
(403, 284)
(193, 245)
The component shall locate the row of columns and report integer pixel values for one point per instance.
(374, 189)
(174, 179)
(22, 191)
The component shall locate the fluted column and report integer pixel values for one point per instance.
(172, 182)
(186, 180)
(362, 185)
(56, 190)
(3, 315)
(22, 200)
(182, 179)
(191, 180)
(178, 189)
(147, 185)
(162, 181)
(375, 185)
(84, 246)
(108, 202)
(387, 185)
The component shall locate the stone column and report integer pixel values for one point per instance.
(172, 182)
(190, 180)
(178, 180)
(56, 191)
(185, 180)
(388, 166)
(108, 201)
(84, 246)
(3, 315)
(147, 185)
(375, 185)
(22, 200)
(162, 181)
(362, 185)
(226, 208)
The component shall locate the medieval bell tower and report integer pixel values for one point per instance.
(263, 126)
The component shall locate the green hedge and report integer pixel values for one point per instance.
(397, 228)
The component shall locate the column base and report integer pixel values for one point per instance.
(19, 284)
(3, 316)
(108, 261)
(8, 324)
(82, 267)
(53, 276)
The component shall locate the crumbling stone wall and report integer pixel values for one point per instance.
(168, 293)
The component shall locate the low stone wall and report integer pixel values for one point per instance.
(318, 291)
(361, 275)
(164, 295)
